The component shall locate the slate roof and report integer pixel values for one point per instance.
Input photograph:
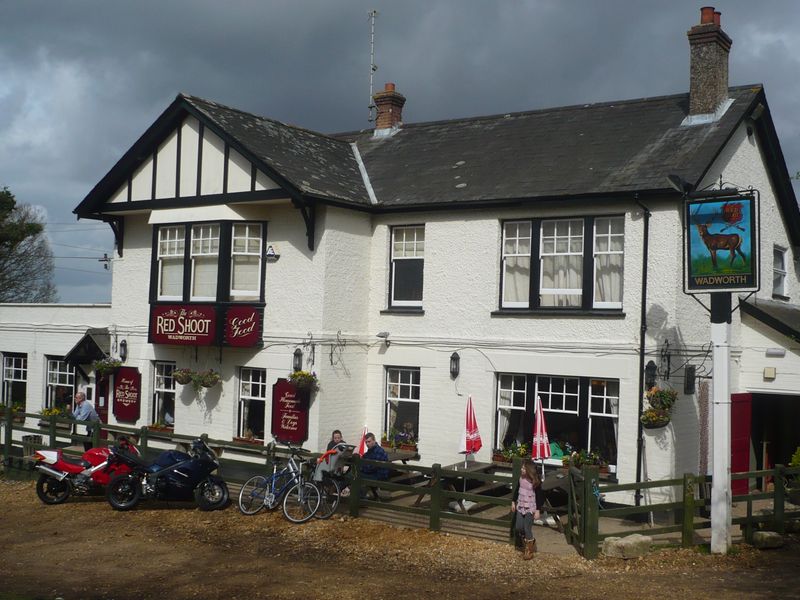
(600, 149)
(780, 316)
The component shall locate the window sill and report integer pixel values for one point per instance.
(403, 310)
(558, 312)
(780, 297)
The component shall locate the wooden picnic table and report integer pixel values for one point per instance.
(449, 482)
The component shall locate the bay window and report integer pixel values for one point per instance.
(580, 413)
(205, 259)
(574, 263)
(171, 242)
(246, 261)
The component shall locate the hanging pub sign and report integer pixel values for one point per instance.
(243, 326)
(289, 413)
(721, 244)
(127, 394)
(183, 324)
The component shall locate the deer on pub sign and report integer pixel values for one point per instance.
(731, 242)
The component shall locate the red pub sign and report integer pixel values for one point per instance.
(239, 325)
(127, 394)
(289, 413)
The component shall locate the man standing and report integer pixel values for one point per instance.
(84, 411)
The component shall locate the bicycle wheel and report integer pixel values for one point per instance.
(329, 493)
(301, 502)
(253, 495)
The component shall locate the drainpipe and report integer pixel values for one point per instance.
(642, 332)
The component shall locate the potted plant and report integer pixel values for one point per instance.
(182, 376)
(387, 440)
(515, 449)
(18, 410)
(405, 441)
(653, 418)
(662, 398)
(304, 380)
(54, 411)
(105, 366)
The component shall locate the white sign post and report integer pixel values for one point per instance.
(721, 424)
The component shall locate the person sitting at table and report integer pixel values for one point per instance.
(374, 452)
(336, 439)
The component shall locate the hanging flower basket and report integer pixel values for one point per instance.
(653, 418)
(304, 380)
(206, 379)
(661, 398)
(106, 366)
(182, 376)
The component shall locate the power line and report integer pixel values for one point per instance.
(78, 247)
(78, 270)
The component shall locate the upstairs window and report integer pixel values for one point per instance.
(171, 241)
(563, 263)
(779, 272)
(408, 260)
(205, 260)
(245, 261)
(208, 262)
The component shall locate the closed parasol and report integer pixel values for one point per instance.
(541, 441)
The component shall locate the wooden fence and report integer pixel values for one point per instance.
(427, 492)
(586, 511)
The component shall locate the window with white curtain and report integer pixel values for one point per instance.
(561, 256)
(603, 418)
(516, 263)
(512, 392)
(609, 242)
(551, 263)
(246, 261)
(205, 260)
(171, 241)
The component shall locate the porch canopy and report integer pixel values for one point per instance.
(94, 345)
(783, 318)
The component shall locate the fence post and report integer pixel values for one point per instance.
(436, 498)
(96, 435)
(687, 533)
(591, 507)
(516, 471)
(52, 427)
(355, 485)
(9, 431)
(143, 440)
(780, 497)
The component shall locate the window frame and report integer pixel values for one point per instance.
(14, 373)
(783, 272)
(162, 258)
(206, 252)
(246, 295)
(223, 292)
(246, 379)
(160, 392)
(52, 387)
(414, 383)
(536, 270)
(393, 302)
(596, 253)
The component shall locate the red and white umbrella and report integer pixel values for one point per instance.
(541, 441)
(471, 440)
(362, 445)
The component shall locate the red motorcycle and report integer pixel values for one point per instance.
(61, 476)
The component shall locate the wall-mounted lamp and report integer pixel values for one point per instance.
(776, 352)
(455, 365)
(297, 360)
(123, 350)
(650, 371)
(384, 335)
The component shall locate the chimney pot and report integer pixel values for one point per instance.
(389, 87)
(706, 15)
(717, 16)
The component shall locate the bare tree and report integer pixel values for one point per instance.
(26, 260)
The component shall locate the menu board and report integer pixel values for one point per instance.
(289, 413)
(127, 394)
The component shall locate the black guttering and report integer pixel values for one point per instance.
(642, 339)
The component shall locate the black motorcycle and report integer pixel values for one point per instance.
(173, 476)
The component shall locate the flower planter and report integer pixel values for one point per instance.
(248, 441)
(497, 457)
(407, 447)
(655, 424)
(387, 445)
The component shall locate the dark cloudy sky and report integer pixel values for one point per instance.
(81, 80)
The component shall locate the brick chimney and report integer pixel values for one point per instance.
(390, 109)
(709, 47)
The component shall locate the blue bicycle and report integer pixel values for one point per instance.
(301, 498)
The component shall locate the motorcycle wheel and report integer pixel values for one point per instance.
(211, 494)
(123, 492)
(52, 491)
